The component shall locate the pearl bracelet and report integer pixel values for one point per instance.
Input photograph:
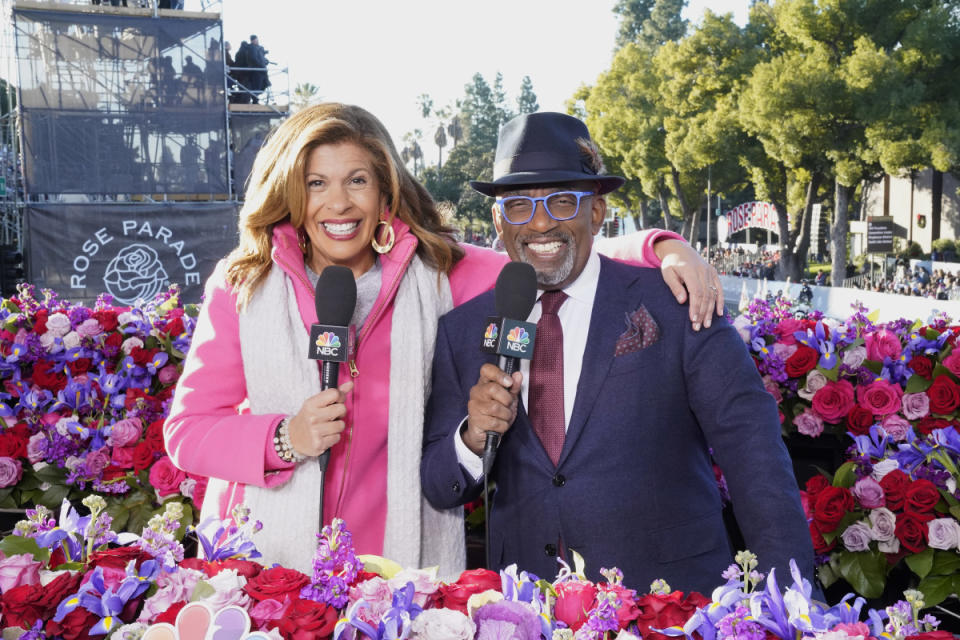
(282, 444)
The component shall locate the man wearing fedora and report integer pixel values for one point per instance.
(607, 433)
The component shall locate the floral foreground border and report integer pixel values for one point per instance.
(60, 579)
(85, 392)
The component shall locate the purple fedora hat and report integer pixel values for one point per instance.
(541, 148)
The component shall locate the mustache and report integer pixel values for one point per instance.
(556, 234)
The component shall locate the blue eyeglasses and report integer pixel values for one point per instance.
(562, 205)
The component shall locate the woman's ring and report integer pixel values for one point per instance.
(714, 288)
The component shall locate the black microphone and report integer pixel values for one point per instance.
(331, 337)
(508, 333)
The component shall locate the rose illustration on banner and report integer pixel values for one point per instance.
(136, 273)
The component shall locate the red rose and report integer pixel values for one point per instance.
(306, 620)
(21, 606)
(142, 356)
(12, 445)
(107, 319)
(859, 421)
(894, 488)
(820, 546)
(143, 456)
(662, 611)
(575, 599)
(911, 530)
(932, 635)
(74, 626)
(154, 435)
(40, 322)
(803, 360)
(112, 343)
(277, 583)
(455, 595)
(174, 328)
(78, 366)
(927, 424)
(165, 477)
(921, 496)
(65, 584)
(830, 506)
(834, 400)
(47, 378)
(815, 485)
(170, 615)
(245, 568)
(944, 395)
(118, 558)
(922, 366)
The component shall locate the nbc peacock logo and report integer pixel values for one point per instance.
(491, 333)
(518, 335)
(328, 339)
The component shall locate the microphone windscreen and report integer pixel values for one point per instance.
(336, 296)
(516, 291)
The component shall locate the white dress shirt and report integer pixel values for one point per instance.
(575, 319)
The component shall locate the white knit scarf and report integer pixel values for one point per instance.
(280, 376)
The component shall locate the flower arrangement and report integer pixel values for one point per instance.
(66, 578)
(84, 395)
(844, 377)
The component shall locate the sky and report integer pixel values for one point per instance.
(383, 54)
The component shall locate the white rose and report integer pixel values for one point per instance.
(443, 624)
(854, 357)
(58, 324)
(889, 546)
(49, 342)
(126, 317)
(884, 467)
(130, 343)
(815, 382)
(71, 340)
(883, 523)
(943, 533)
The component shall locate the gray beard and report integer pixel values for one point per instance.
(551, 278)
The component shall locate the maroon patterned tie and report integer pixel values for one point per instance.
(546, 377)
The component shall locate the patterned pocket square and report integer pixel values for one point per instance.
(642, 331)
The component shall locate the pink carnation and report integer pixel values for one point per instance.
(883, 344)
(376, 592)
(173, 587)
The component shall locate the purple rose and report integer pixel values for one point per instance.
(10, 472)
(97, 461)
(125, 432)
(809, 423)
(857, 537)
(896, 426)
(869, 493)
(943, 533)
(916, 405)
(37, 447)
(89, 328)
(883, 524)
(169, 375)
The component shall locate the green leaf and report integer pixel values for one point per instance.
(830, 373)
(120, 515)
(845, 475)
(15, 545)
(918, 384)
(936, 589)
(865, 571)
(932, 334)
(203, 590)
(955, 511)
(873, 365)
(8, 501)
(921, 563)
(945, 563)
(826, 575)
(53, 497)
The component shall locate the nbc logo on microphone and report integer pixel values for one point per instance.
(518, 340)
(328, 339)
(491, 333)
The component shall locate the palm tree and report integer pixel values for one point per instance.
(305, 94)
(440, 139)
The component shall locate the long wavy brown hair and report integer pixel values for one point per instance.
(277, 191)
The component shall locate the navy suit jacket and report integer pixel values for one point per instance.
(634, 487)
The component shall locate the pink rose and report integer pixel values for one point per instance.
(97, 461)
(165, 477)
(916, 405)
(880, 397)
(786, 329)
(89, 328)
(19, 570)
(869, 493)
(37, 447)
(772, 388)
(125, 432)
(896, 426)
(834, 400)
(58, 325)
(809, 423)
(168, 374)
(267, 610)
(123, 457)
(952, 362)
(11, 471)
(883, 344)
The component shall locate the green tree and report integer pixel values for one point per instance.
(304, 94)
(527, 101)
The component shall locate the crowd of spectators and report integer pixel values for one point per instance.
(918, 281)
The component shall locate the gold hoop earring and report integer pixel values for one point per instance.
(385, 247)
(302, 241)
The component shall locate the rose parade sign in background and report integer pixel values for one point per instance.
(129, 251)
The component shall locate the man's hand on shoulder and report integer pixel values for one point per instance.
(492, 406)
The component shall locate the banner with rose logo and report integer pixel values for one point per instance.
(130, 251)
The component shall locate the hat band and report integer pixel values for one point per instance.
(540, 162)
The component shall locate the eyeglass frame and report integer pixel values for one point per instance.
(543, 199)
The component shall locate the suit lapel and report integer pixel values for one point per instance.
(611, 304)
